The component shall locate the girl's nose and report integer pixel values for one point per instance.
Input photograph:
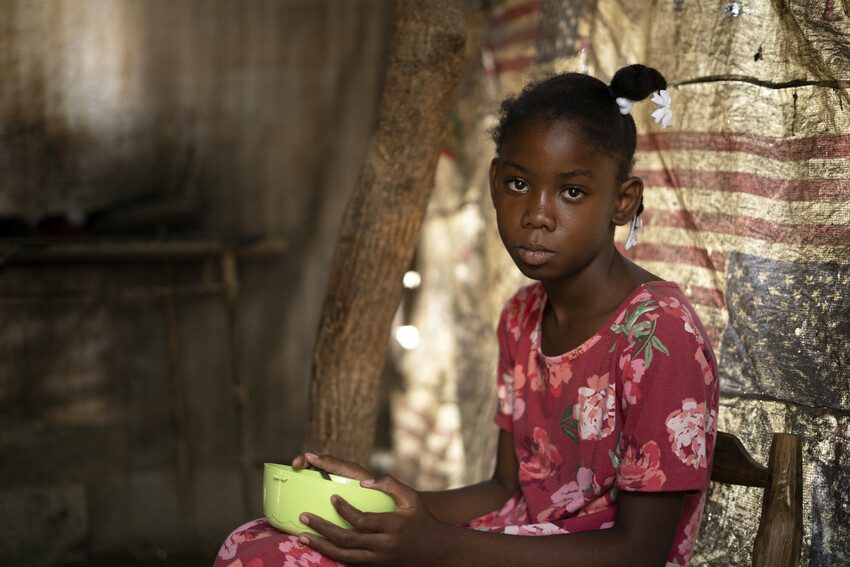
(538, 212)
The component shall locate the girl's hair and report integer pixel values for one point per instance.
(586, 102)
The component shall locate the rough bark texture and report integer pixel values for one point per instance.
(381, 225)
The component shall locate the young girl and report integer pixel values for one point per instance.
(606, 380)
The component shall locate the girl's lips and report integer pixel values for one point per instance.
(534, 257)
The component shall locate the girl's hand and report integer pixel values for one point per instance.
(409, 536)
(331, 465)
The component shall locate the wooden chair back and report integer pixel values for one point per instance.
(779, 539)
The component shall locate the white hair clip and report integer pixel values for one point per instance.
(662, 115)
(625, 105)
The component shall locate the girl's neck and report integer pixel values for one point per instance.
(596, 291)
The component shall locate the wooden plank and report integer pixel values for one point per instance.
(52, 250)
(734, 465)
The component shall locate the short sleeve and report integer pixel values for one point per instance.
(668, 396)
(505, 369)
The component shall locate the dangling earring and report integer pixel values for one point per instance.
(635, 228)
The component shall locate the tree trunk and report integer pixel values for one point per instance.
(381, 225)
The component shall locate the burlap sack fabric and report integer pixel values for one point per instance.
(747, 206)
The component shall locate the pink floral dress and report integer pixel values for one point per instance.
(259, 544)
(632, 408)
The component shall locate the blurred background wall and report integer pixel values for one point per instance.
(172, 174)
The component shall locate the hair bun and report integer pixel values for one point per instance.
(636, 82)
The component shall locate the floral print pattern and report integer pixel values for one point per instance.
(559, 375)
(544, 460)
(595, 408)
(686, 546)
(633, 408)
(253, 530)
(640, 468)
(633, 369)
(297, 555)
(640, 330)
(570, 497)
(258, 544)
(704, 365)
(687, 431)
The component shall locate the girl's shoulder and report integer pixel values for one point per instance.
(660, 308)
(523, 307)
(658, 291)
(526, 297)
(674, 303)
(652, 294)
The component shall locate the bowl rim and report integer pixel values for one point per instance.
(281, 470)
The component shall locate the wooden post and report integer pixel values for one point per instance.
(779, 539)
(381, 225)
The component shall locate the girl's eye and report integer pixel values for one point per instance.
(572, 193)
(517, 185)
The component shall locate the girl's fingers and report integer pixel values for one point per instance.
(335, 552)
(337, 466)
(360, 521)
(340, 537)
(299, 462)
(403, 495)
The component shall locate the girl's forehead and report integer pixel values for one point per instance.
(547, 133)
(554, 140)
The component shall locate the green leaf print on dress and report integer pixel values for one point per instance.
(570, 424)
(641, 333)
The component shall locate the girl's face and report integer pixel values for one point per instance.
(557, 200)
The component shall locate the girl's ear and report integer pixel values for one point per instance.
(629, 196)
(494, 170)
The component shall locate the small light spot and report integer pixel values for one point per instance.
(733, 9)
(407, 336)
(462, 272)
(412, 279)
(798, 331)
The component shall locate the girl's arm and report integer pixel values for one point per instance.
(455, 506)
(464, 504)
(642, 535)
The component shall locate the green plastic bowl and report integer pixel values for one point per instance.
(288, 492)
